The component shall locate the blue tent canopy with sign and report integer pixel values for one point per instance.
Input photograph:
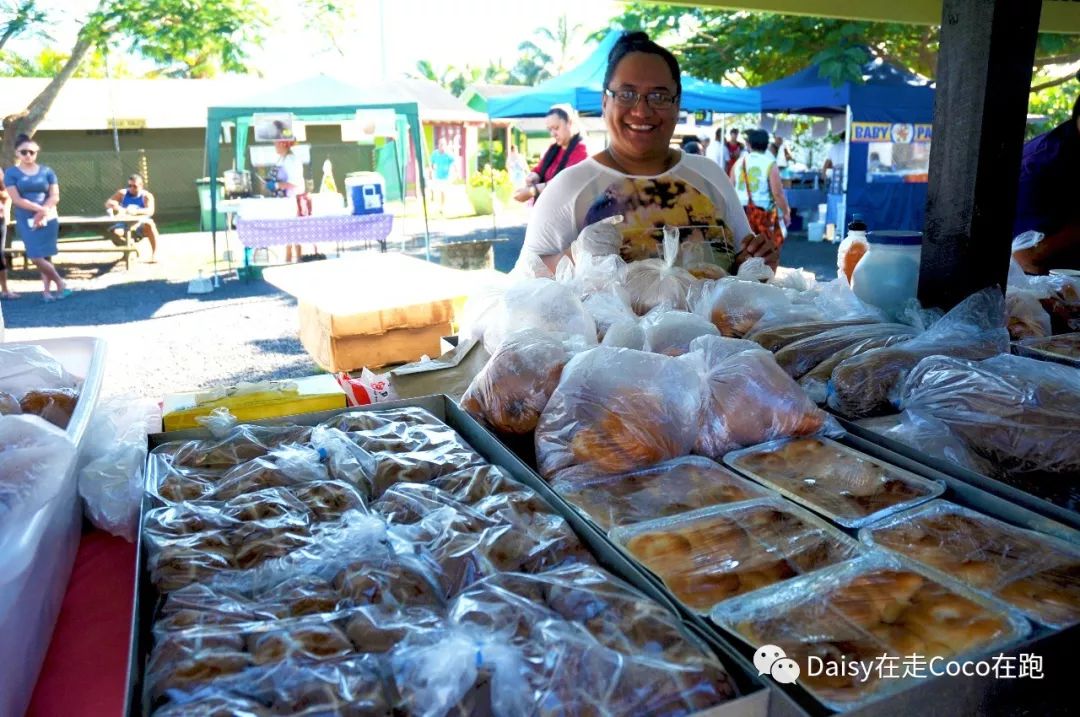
(582, 88)
(889, 113)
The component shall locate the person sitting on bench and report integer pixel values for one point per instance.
(135, 200)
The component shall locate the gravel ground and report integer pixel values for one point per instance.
(162, 340)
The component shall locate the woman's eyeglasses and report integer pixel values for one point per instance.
(28, 152)
(656, 100)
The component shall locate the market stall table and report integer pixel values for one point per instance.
(340, 228)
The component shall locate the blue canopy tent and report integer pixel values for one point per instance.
(582, 88)
(890, 105)
(318, 99)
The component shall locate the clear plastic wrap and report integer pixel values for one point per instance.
(609, 307)
(1037, 574)
(848, 487)
(111, 480)
(598, 240)
(670, 332)
(800, 357)
(749, 400)
(625, 334)
(856, 612)
(617, 410)
(540, 304)
(798, 280)
(755, 269)
(866, 384)
(673, 487)
(734, 306)
(816, 381)
(932, 437)
(25, 368)
(1027, 319)
(34, 459)
(659, 282)
(711, 555)
(1018, 412)
(241, 444)
(510, 392)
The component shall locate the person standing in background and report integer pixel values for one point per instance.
(35, 193)
(516, 166)
(566, 150)
(715, 149)
(732, 150)
(835, 160)
(780, 152)
(5, 211)
(286, 179)
(442, 167)
(757, 182)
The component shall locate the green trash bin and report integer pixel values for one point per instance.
(203, 187)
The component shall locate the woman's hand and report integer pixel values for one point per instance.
(39, 218)
(524, 194)
(759, 245)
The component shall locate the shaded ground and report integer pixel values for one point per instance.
(163, 340)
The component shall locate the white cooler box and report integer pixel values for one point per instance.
(35, 563)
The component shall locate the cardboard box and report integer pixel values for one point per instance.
(267, 400)
(351, 353)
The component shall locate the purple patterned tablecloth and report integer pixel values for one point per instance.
(312, 230)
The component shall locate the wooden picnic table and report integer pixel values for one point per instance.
(70, 224)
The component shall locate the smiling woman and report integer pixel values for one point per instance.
(640, 177)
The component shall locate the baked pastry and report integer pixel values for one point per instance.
(328, 500)
(1051, 594)
(734, 305)
(55, 405)
(243, 443)
(249, 477)
(677, 486)
(843, 484)
(474, 484)
(802, 356)
(307, 641)
(394, 468)
(710, 559)
(510, 392)
(815, 381)
(379, 628)
(177, 487)
(266, 504)
(9, 405)
(215, 705)
(394, 583)
(305, 595)
(751, 400)
(255, 544)
(1065, 346)
(189, 674)
(352, 421)
(190, 560)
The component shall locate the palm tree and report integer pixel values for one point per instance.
(551, 53)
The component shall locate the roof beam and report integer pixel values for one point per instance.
(1061, 16)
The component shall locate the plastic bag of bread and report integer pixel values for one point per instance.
(510, 392)
(593, 274)
(699, 258)
(659, 282)
(734, 306)
(1027, 319)
(599, 240)
(750, 400)
(616, 410)
(483, 306)
(34, 460)
(800, 357)
(816, 381)
(796, 280)
(608, 307)
(540, 304)
(866, 384)
(1018, 412)
(670, 332)
(932, 437)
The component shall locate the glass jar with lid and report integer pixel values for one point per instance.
(888, 274)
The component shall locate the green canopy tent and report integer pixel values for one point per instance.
(319, 99)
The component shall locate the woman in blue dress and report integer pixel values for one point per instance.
(34, 196)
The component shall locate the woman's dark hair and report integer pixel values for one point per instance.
(23, 139)
(758, 139)
(560, 113)
(640, 42)
(692, 147)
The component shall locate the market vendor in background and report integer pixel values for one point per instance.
(1049, 198)
(286, 179)
(567, 150)
(135, 200)
(642, 178)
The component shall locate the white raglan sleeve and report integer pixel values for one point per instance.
(552, 224)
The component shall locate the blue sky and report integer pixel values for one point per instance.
(446, 32)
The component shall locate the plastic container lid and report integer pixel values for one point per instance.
(895, 237)
(857, 224)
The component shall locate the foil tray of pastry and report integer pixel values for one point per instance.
(707, 556)
(839, 623)
(666, 489)
(1035, 573)
(1063, 348)
(848, 487)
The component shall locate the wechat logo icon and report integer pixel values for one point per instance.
(771, 660)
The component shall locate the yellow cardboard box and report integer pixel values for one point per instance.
(250, 402)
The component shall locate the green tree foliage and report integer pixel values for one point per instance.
(748, 48)
(550, 52)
